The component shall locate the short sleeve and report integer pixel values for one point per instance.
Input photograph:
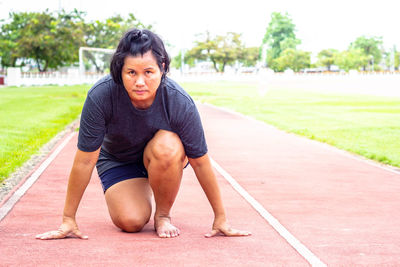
(190, 130)
(92, 126)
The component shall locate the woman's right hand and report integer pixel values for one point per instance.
(67, 228)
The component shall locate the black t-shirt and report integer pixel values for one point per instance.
(111, 121)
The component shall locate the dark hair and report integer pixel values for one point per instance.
(135, 42)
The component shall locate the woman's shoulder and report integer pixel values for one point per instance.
(176, 93)
(102, 87)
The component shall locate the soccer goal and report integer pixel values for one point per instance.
(94, 60)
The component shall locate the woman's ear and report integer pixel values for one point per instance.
(163, 67)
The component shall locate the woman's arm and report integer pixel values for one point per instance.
(79, 178)
(206, 177)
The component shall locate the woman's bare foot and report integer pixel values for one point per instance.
(164, 228)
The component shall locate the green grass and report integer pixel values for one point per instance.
(30, 117)
(365, 125)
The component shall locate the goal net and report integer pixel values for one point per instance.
(94, 60)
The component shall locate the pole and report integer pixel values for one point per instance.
(182, 59)
(394, 58)
(81, 66)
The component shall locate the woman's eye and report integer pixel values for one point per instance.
(131, 72)
(148, 72)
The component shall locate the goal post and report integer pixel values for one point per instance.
(93, 59)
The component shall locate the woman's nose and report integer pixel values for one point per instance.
(140, 81)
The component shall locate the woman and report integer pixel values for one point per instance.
(140, 129)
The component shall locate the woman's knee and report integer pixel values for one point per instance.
(131, 224)
(165, 147)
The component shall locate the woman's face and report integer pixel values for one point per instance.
(141, 77)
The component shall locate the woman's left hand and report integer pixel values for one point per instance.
(223, 228)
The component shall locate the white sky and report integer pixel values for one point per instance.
(320, 24)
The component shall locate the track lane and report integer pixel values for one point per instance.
(343, 209)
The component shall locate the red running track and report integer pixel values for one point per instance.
(344, 210)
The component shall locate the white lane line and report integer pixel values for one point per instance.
(293, 241)
(32, 179)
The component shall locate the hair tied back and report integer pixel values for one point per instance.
(138, 34)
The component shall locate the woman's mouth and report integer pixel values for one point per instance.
(139, 92)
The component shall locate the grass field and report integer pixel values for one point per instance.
(365, 125)
(30, 117)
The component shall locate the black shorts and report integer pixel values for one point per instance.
(122, 173)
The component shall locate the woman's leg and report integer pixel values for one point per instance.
(164, 159)
(129, 204)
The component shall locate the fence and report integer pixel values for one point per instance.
(372, 83)
(382, 83)
(17, 78)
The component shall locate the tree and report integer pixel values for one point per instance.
(293, 59)
(49, 41)
(352, 59)
(220, 50)
(228, 50)
(69, 37)
(9, 36)
(250, 56)
(396, 60)
(177, 60)
(371, 48)
(280, 36)
(37, 39)
(202, 48)
(326, 58)
(106, 34)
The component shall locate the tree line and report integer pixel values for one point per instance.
(52, 40)
(220, 50)
(279, 52)
(365, 53)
